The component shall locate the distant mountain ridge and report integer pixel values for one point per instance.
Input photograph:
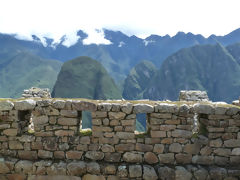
(212, 68)
(123, 53)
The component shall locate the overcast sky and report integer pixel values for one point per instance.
(54, 18)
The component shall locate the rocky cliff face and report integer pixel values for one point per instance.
(138, 79)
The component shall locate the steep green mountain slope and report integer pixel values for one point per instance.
(207, 67)
(138, 79)
(234, 50)
(21, 70)
(84, 77)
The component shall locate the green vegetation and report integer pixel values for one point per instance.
(22, 70)
(206, 67)
(84, 77)
(85, 132)
(138, 79)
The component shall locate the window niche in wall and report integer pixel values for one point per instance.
(85, 123)
(25, 121)
(141, 122)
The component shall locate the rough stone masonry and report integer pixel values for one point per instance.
(43, 139)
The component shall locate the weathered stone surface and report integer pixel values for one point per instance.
(77, 168)
(68, 121)
(127, 108)
(99, 114)
(64, 133)
(15, 145)
(216, 143)
(158, 134)
(45, 154)
(142, 108)
(10, 132)
(109, 169)
(193, 96)
(182, 173)
(74, 154)
(68, 113)
(28, 155)
(201, 174)
(149, 173)
(166, 173)
(175, 147)
(167, 158)
(27, 104)
(219, 160)
(38, 120)
(84, 106)
(124, 147)
(203, 108)
(4, 169)
(158, 148)
(232, 110)
(107, 148)
(24, 167)
(116, 115)
(181, 133)
(132, 157)
(222, 152)
(57, 169)
(192, 148)
(94, 155)
(218, 173)
(85, 140)
(59, 104)
(122, 171)
(112, 157)
(92, 177)
(93, 168)
(183, 158)
(232, 143)
(135, 171)
(203, 160)
(166, 108)
(6, 105)
(125, 135)
(236, 151)
(144, 147)
(150, 158)
(104, 106)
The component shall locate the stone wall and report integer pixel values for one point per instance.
(43, 139)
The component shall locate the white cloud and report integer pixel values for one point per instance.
(55, 18)
(70, 39)
(95, 37)
(121, 44)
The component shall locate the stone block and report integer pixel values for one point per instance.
(27, 104)
(149, 173)
(150, 158)
(116, 115)
(78, 168)
(183, 158)
(74, 155)
(203, 160)
(68, 121)
(45, 154)
(175, 147)
(125, 135)
(232, 143)
(167, 158)
(6, 105)
(15, 145)
(142, 108)
(112, 157)
(28, 155)
(144, 147)
(94, 155)
(158, 148)
(132, 157)
(158, 134)
(135, 171)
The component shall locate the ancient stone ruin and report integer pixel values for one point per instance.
(36, 92)
(193, 96)
(43, 139)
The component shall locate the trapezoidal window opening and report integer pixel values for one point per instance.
(141, 122)
(85, 125)
(25, 121)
